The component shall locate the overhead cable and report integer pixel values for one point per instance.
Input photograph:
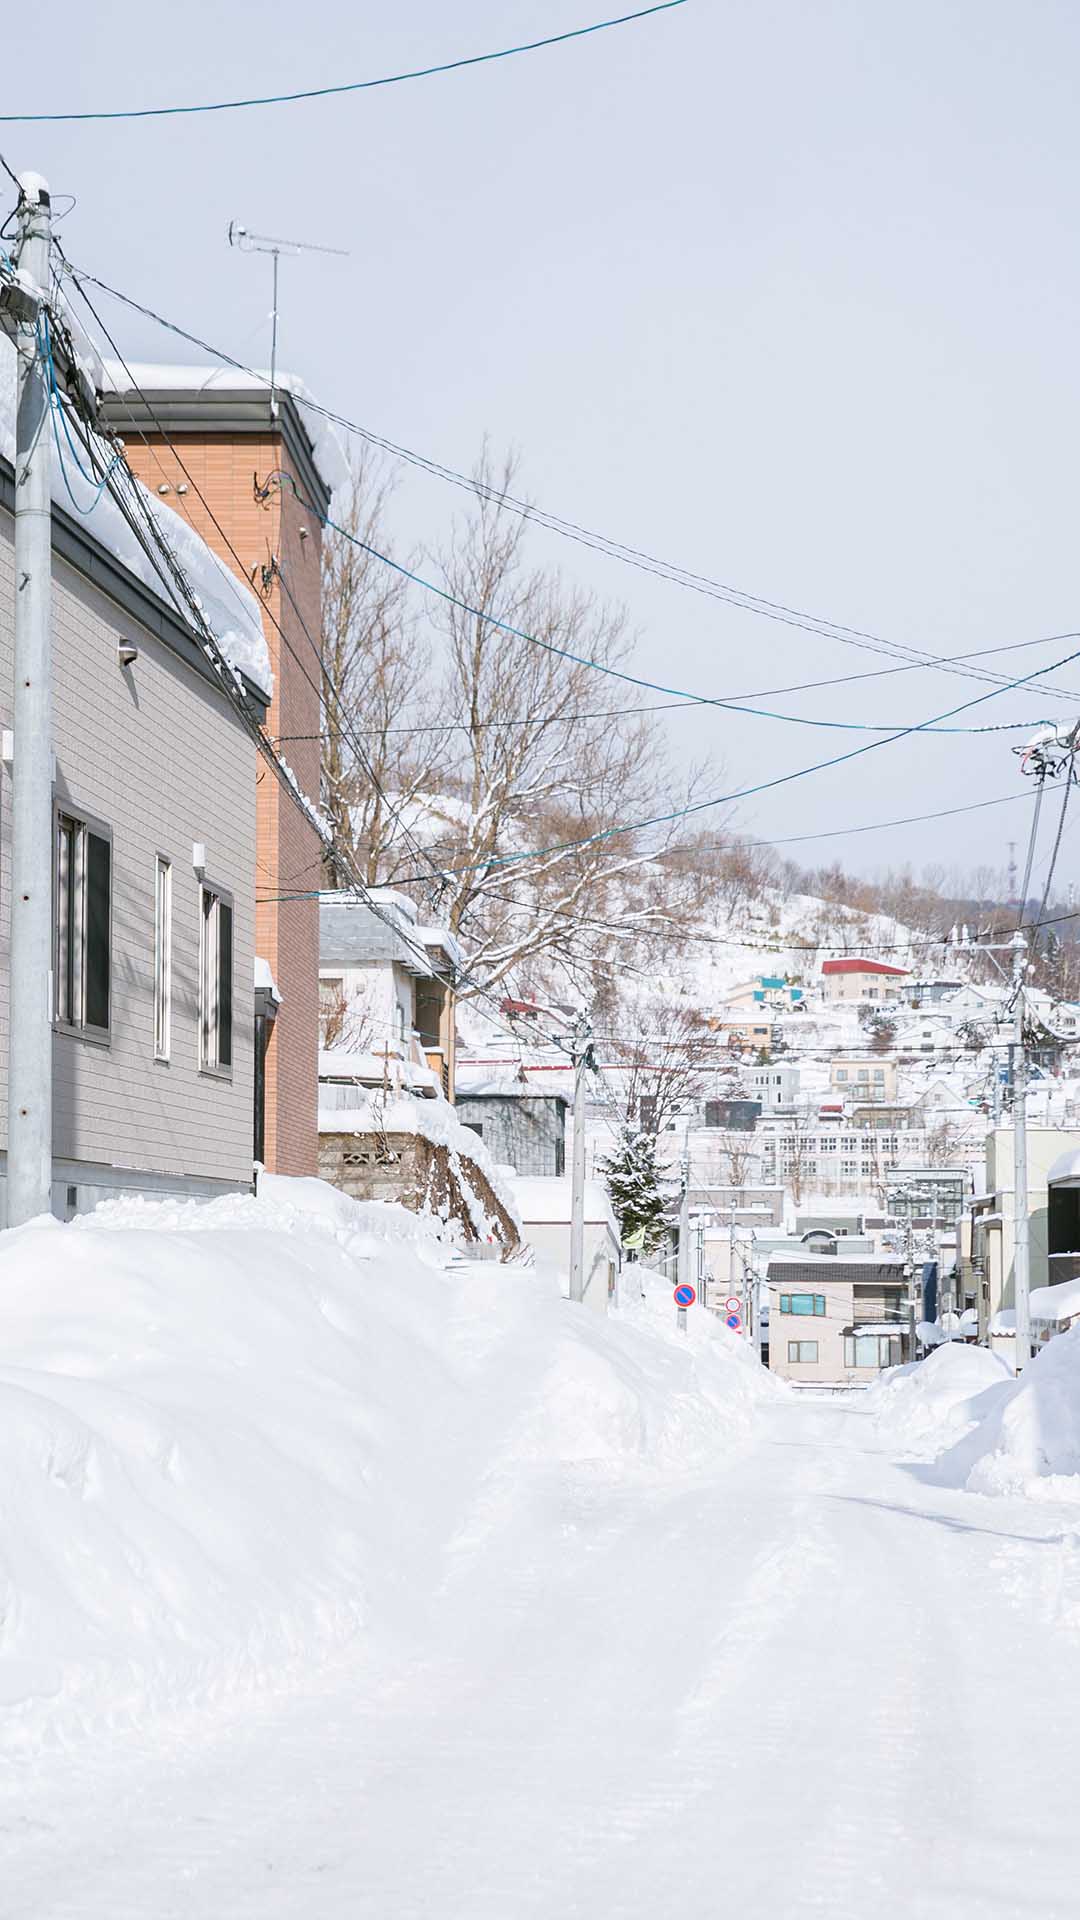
(912, 658)
(347, 86)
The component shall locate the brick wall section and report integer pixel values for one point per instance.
(288, 856)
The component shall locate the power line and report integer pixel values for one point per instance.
(349, 86)
(283, 772)
(913, 658)
(618, 673)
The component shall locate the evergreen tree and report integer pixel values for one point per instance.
(640, 1194)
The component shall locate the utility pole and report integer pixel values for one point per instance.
(29, 1161)
(683, 1267)
(582, 1056)
(1021, 1237)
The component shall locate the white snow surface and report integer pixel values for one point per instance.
(1027, 1439)
(229, 607)
(923, 1407)
(233, 1434)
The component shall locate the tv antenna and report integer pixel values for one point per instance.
(248, 242)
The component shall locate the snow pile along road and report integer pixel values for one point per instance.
(922, 1408)
(1028, 1436)
(233, 1435)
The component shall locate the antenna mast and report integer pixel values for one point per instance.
(248, 242)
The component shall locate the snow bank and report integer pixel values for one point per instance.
(231, 1434)
(926, 1406)
(229, 607)
(1028, 1438)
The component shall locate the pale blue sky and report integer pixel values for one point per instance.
(787, 294)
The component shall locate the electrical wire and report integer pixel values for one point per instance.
(605, 834)
(912, 658)
(284, 773)
(349, 86)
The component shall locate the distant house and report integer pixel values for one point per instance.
(836, 1318)
(987, 1252)
(775, 1086)
(764, 990)
(928, 1033)
(864, 1077)
(521, 1125)
(744, 1032)
(855, 980)
(386, 985)
(544, 1206)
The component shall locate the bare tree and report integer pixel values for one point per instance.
(795, 1164)
(661, 1058)
(532, 825)
(379, 752)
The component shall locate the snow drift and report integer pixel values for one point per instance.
(1027, 1439)
(232, 1433)
(923, 1407)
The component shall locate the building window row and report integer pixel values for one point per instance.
(82, 946)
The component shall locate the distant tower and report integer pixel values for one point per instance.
(1011, 878)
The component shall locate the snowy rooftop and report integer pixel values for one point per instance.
(228, 605)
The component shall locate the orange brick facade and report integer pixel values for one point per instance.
(277, 543)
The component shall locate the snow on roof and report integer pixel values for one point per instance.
(1056, 1304)
(862, 966)
(157, 377)
(264, 979)
(228, 605)
(834, 1260)
(544, 1200)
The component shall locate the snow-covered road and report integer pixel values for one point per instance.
(808, 1683)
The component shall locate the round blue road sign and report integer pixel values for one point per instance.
(734, 1322)
(685, 1296)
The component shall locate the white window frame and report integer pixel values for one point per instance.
(163, 908)
(211, 900)
(71, 925)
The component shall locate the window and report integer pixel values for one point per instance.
(802, 1353)
(215, 982)
(162, 958)
(83, 933)
(841, 1073)
(872, 1350)
(813, 1303)
(879, 1073)
(864, 1073)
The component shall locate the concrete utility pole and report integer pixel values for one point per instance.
(683, 1267)
(29, 1163)
(1021, 1237)
(582, 1055)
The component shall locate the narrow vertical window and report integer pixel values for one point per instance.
(82, 958)
(215, 982)
(163, 959)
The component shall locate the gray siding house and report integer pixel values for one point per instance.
(154, 888)
(520, 1127)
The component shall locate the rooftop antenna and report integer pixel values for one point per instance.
(248, 242)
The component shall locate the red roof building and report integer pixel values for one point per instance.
(863, 966)
(854, 980)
